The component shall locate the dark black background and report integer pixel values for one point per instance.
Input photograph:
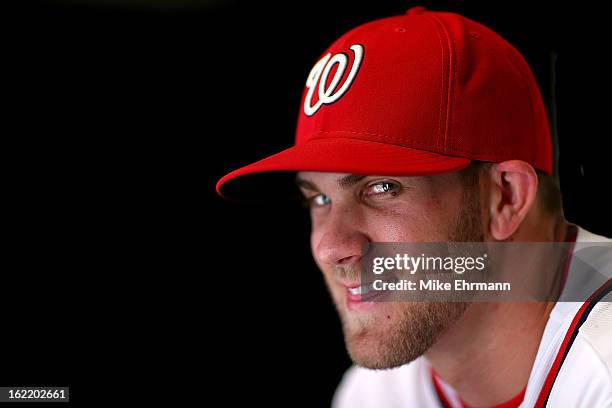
(121, 118)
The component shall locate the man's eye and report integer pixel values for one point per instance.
(383, 187)
(319, 200)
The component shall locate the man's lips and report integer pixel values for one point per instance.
(357, 292)
(348, 283)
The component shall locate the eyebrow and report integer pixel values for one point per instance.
(305, 184)
(344, 182)
(350, 180)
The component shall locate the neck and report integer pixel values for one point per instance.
(487, 356)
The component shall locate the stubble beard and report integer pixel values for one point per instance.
(399, 332)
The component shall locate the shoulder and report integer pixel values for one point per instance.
(587, 236)
(590, 266)
(402, 386)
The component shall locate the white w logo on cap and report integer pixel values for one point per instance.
(319, 74)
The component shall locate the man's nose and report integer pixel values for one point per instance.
(340, 240)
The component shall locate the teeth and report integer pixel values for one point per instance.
(360, 290)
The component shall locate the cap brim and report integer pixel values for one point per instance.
(353, 156)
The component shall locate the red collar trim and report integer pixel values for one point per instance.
(514, 402)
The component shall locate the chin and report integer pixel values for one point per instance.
(378, 353)
(393, 334)
(376, 339)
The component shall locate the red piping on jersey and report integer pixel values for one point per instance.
(514, 402)
(554, 369)
(441, 395)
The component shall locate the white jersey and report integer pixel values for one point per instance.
(585, 360)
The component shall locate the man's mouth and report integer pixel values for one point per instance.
(361, 297)
(361, 290)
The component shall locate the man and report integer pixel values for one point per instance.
(429, 127)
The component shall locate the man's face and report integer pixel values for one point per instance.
(348, 211)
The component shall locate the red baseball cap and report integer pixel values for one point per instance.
(418, 94)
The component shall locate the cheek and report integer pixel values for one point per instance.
(396, 226)
(404, 223)
(428, 219)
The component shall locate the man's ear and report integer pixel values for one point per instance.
(514, 186)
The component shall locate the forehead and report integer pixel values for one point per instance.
(341, 179)
(328, 181)
(309, 175)
(316, 180)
